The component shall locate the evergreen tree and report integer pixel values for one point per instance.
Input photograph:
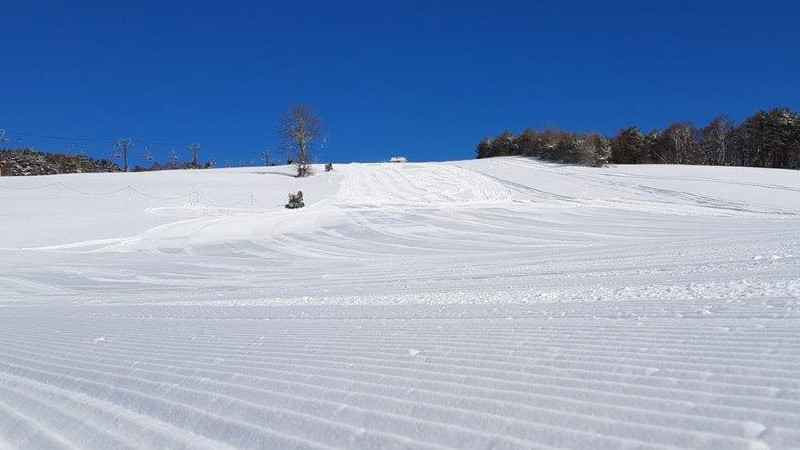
(601, 150)
(650, 153)
(750, 140)
(504, 144)
(528, 143)
(627, 147)
(781, 138)
(484, 149)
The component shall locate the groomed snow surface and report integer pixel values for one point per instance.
(502, 303)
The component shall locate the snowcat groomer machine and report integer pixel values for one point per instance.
(295, 200)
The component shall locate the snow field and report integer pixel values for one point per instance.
(503, 303)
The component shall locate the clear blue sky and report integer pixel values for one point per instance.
(426, 79)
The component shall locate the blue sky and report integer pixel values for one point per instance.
(426, 79)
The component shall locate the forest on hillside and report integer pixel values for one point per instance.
(23, 162)
(765, 139)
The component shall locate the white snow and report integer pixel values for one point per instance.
(501, 303)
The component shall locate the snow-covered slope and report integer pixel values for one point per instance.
(494, 303)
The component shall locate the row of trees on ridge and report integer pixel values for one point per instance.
(765, 139)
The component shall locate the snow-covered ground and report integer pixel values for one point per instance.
(502, 303)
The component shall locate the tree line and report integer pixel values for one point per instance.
(24, 161)
(765, 139)
(172, 165)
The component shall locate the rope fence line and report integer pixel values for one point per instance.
(250, 198)
(192, 197)
(199, 196)
(158, 197)
(29, 188)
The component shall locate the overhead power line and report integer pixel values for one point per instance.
(78, 138)
(62, 138)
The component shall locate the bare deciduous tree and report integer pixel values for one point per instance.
(299, 129)
(679, 144)
(716, 140)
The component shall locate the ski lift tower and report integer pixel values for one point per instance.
(194, 149)
(122, 146)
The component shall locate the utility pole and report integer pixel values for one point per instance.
(194, 149)
(123, 145)
(266, 157)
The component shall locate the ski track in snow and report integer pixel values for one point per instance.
(503, 303)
